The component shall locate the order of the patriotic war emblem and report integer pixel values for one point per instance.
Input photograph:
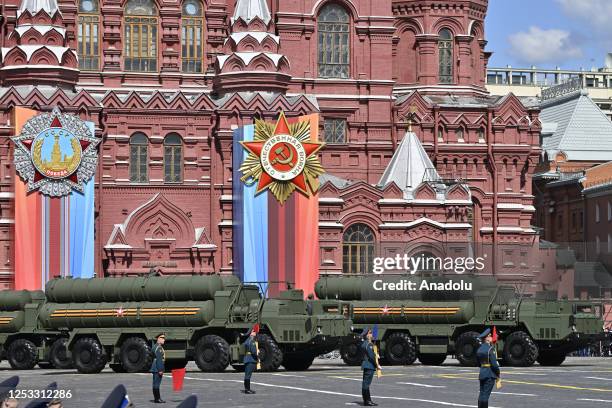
(56, 153)
(282, 158)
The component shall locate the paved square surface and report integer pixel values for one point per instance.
(579, 382)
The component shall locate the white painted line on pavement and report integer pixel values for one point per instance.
(599, 378)
(423, 385)
(513, 393)
(289, 375)
(593, 400)
(443, 403)
(347, 378)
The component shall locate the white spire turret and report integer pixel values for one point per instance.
(245, 9)
(34, 6)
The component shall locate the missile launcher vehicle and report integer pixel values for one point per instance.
(205, 318)
(23, 341)
(430, 318)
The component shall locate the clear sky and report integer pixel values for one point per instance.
(547, 33)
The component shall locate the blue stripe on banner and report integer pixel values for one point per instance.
(82, 229)
(252, 222)
(237, 192)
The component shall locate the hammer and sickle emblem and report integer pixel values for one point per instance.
(281, 156)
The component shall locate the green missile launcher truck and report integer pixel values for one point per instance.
(205, 318)
(23, 342)
(431, 318)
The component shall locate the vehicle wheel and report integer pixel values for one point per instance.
(351, 354)
(170, 365)
(239, 367)
(212, 354)
(520, 350)
(466, 347)
(270, 355)
(297, 362)
(432, 359)
(551, 359)
(88, 356)
(59, 355)
(45, 365)
(135, 355)
(400, 349)
(22, 355)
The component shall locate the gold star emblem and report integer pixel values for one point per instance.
(282, 158)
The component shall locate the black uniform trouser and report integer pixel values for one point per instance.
(157, 379)
(248, 370)
(486, 386)
(367, 378)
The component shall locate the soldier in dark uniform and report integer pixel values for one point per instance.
(489, 368)
(157, 367)
(250, 359)
(369, 366)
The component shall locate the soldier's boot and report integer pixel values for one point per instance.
(370, 402)
(247, 387)
(364, 394)
(157, 396)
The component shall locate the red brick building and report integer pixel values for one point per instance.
(167, 81)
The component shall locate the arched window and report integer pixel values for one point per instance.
(89, 35)
(139, 145)
(140, 36)
(334, 47)
(173, 158)
(358, 249)
(445, 61)
(192, 40)
(460, 135)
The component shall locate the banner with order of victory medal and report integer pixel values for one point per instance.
(275, 227)
(55, 159)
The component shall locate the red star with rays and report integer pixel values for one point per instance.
(385, 309)
(282, 128)
(120, 311)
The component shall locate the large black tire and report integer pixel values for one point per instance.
(270, 355)
(466, 346)
(22, 354)
(297, 362)
(520, 350)
(59, 355)
(88, 356)
(400, 349)
(551, 359)
(212, 354)
(432, 359)
(135, 355)
(351, 354)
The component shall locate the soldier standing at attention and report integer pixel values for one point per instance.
(157, 367)
(369, 366)
(489, 368)
(250, 358)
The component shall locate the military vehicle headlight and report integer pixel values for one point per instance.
(319, 329)
(574, 328)
(352, 328)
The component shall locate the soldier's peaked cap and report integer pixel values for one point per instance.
(7, 385)
(190, 402)
(116, 397)
(484, 334)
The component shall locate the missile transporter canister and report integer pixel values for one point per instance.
(205, 318)
(433, 317)
(23, 341)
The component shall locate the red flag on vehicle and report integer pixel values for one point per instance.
(178, 375)
(494, 335)
(255, 328)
